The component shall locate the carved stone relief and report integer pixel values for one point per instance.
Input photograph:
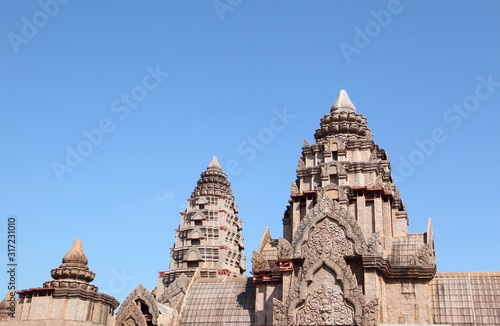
(325, 306)
(370, 313)
(285, 250)
(374, 245)
(424, 256)
(378, 182)
(326, 207)
(326, 239)
(294, 189)
(259, 264)
(279, 313)
(140, 292)
(131, 315)
(174, 291)
(301, 163)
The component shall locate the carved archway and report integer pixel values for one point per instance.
(131, 315)
(331, 209)
(326, 291)
(140, 293)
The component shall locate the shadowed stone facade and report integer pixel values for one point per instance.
(345, 256)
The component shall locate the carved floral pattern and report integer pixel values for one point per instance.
(279, 313)
(326, 239)
(326, 207)
(370, 312)
(325, 306)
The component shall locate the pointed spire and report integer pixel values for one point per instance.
(73, 271)
(343, 103)
(75, 256)
(214, 164)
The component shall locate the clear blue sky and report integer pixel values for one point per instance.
(168, 84)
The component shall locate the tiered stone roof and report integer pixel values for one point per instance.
(213, 182)
(342, 120)
(209, 237)
(73, 272)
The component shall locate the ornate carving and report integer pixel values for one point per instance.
(341, 191)
(370, 313)
(306, 143)
(325, 306)
(279, 313)
(424, 256)
(174, 292)
(294, 189)
(378, 183)
(131, 315)
(285, 249)
(326, 239)
(301, 163)
(397, 195)
(140, 292)
(259, 264)
(374, 245)
(328, 208)
(389, 187)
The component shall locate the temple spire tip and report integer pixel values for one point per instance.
(343, 103)
(214, 164)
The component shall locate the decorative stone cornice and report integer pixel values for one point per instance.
(389, 271)
(86, 295)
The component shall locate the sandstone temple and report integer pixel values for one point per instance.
(344, 256)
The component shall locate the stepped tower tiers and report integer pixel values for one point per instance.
(346, 257)
(68, 299)
(209, 235)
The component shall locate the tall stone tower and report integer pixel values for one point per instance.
(346, 257)
(208, 238)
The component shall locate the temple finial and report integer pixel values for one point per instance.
(343, 103)
(75, 256)
(214, 164)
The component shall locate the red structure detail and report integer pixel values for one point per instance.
(285, 265)
(35, 292)
(225, 272)
(264, 276)
(223, 227)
